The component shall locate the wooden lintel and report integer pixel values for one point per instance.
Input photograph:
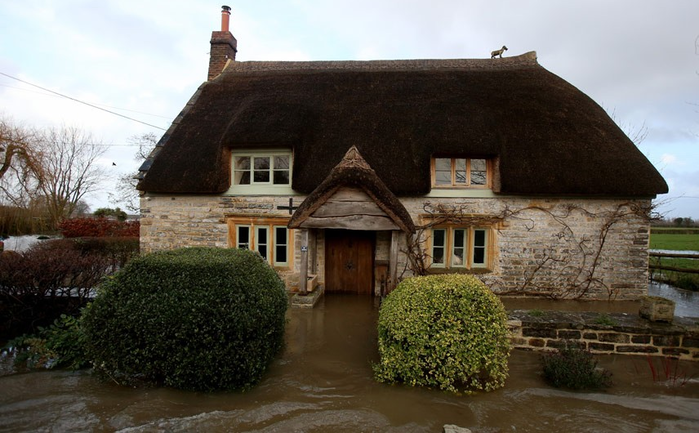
(351, 194)
(347, 208)
(354, 222)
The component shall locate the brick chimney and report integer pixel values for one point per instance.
(223, 45)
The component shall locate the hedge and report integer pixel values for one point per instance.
(443, 331)
(196, 318)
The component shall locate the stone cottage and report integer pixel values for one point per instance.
(355, 174)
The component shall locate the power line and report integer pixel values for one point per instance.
(103, 105)
(83, 102)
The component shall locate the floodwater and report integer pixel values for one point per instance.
(323, 382)
(686, 302)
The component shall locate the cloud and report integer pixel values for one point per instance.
(668, 159)
(635, 58)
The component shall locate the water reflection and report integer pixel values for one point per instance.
(322, 382)
(686, 301)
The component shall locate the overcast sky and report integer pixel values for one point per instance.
(638, 59)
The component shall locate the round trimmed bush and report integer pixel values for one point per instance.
(194, 318)
(443, 331)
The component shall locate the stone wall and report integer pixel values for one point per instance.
(169, 222)
(615, 333)
(540, 246)
(568, 248)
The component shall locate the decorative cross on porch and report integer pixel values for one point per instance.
(291, 206)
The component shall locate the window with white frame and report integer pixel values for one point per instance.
(460, 173)
(263, 169)
(268, 236)
(459, 247)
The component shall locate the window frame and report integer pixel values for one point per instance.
(272, 155)
(276, 245)
(469, 247)
(254, 226)
(453, 170)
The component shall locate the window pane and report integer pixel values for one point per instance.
(438, 246)
(478, 256)
(243, 237)
(442, 171)
(479, 238)
(242, 163)
(262, 235)
(261, 169)
(478, 165)
(280, 235)
(281, 177)
(281, 162)
(262, 163)
(280, 254)
(281, 170)
(459, 248)
(242, 177)
(261, 241)
(477, 178)
(242, 170)
(478, 172)
(438, 256)
(479, 247)
(457, 258)
(261, 177)
(438, 237)
(442, 164)
(442, 178)
(280, 249)
(459, 236)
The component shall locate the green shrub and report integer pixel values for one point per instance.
(60, 345)
(195, 318)
(443, 331)
(574, 368)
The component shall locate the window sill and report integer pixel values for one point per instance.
(473, 271)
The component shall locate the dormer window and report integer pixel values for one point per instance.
(262, 169)
(460, 173)
(261, 172)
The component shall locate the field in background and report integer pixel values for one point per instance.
(679, 240)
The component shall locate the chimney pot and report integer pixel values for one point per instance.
(225, 18)
(223, 45)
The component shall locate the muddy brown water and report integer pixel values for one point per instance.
(322, 382)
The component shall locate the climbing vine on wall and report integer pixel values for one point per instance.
(566, 267)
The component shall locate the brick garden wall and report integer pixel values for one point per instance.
(616, 333)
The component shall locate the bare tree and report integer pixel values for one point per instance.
(19, 210)
(126, 193)
(15, 146)
(18, 163)
(67, 157)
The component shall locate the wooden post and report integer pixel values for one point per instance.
(312, 251)
(303, 278)
(393, 262)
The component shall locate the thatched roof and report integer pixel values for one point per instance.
(548, 137)
(354, 172)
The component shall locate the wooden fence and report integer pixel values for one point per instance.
(655, 262)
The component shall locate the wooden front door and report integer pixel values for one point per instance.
(349, 261)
